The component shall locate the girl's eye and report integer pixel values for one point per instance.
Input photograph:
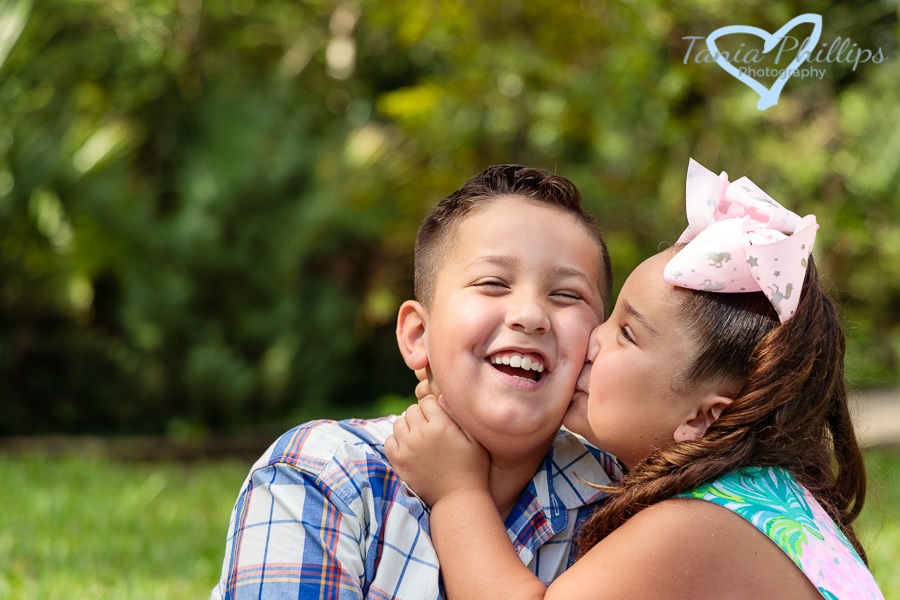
(625, 332)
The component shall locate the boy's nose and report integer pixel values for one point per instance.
(530, 317)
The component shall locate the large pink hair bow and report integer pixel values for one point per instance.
(741, 240)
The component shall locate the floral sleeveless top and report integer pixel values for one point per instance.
(773, 501)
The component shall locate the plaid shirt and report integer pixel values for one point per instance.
(323, 515)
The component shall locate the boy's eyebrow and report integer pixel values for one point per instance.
(562, 272)
(559, 271)
(640, 318)
(497, 259)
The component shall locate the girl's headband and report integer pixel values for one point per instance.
(741, 240)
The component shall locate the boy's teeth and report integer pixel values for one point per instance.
(519, 362)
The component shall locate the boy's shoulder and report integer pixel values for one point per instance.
(316, 445)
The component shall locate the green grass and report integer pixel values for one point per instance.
(100, 529)
(879, 524)
(94, 528)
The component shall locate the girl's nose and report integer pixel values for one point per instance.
(594, 342)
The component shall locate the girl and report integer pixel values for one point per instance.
(718, 383)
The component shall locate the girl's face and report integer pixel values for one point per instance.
(635, 401)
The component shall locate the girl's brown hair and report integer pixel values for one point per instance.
(791, 409)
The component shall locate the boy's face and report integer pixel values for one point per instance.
(507, 333)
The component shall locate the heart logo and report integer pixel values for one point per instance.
(768, 96)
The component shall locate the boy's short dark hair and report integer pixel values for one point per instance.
(438, 229)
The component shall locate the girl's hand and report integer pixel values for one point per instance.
(433, 455)
(423, 389)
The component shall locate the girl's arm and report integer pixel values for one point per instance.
(675, 550)
(476, 556)
(449, 471)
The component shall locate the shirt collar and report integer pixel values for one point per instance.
(543, 509)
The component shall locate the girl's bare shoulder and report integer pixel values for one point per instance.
(686, 548)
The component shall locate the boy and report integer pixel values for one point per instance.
(511, 277)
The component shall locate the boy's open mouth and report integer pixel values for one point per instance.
(517, 365)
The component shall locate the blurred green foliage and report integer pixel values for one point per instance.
(207, 207)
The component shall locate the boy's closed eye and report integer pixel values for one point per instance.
(491, 283)
(568, 294)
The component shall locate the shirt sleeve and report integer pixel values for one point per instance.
(290, 537)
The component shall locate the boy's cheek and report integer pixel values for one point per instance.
(434, 385)
(581, 326)
(578, 352)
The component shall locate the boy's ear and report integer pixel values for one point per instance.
(708, 411)
(412, 321)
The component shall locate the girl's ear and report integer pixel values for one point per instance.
(412, 321)
(708, 411)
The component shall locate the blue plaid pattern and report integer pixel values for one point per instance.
(323, 515)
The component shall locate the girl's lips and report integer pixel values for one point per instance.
(584, 379)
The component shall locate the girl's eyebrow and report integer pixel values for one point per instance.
(640, 319)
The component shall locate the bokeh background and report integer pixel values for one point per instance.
(207, 207)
